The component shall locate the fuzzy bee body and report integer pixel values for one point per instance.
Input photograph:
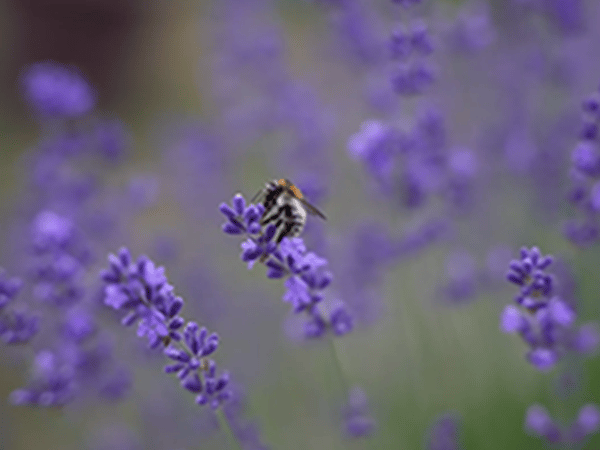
(285, 207)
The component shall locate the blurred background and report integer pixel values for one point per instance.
(205, 99)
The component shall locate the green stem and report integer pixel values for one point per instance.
(224, 424)
(338, 367)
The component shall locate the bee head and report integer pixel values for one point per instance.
(291, 187)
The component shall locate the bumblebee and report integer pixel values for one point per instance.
(286, 207)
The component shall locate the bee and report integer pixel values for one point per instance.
(286, 207)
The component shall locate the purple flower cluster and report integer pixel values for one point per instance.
(77, 358)
(407, 3)
(141, 289)
(357, 417)
(82, 363)
(57, 91)
(443, 433)
(413, 161)
(61, 258)
(16, 326)
(409, 48)
(305, 272)
(585, 175)
(471, 32)
(411, 167)
(543, 319)
(462, 278)
(539, 422)
(53, 383)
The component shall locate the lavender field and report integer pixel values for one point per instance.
(300, 224)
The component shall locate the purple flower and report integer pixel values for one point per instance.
(443, 433)
(78, 325)
(586, 158)
(587, 423)
(539, 422)
(586, 339)
(111, 139)
(461, 283)
(584, 193)
(357, 417)
(141, 289)
(305, 273)
(543, 320)
(241, 219)
(55, 90)
(407, 3)
(53, 383)
(420, 38)
(462, 170)
(17, 326)
(411, 167)
(471, 32)
(567, 14)
(50, 229)
(356, 32)
(582, 233)
(374, 147)
(529, 273)
(341, 321)
(413, 74)
(412, 78)
(400, 43)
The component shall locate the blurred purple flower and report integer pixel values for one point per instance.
(55, 90)
(357, 31)
(584, 192)
(587, 423)
(53, 382)
(17, 326)
(539, 422)
(471, 32)
(358, 421)
(461, 284)
(111, 139)
(412, 78)
(407, 3)
(443, 434)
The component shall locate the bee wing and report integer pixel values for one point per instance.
(312, 210)
(257, 195)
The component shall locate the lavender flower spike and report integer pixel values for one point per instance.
(304, 272)
(529, 273)
(142, 291)
(54, 90)
(539, 422)
(16, 326)
(542, 319)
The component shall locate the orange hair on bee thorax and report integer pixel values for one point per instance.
(296, 192)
